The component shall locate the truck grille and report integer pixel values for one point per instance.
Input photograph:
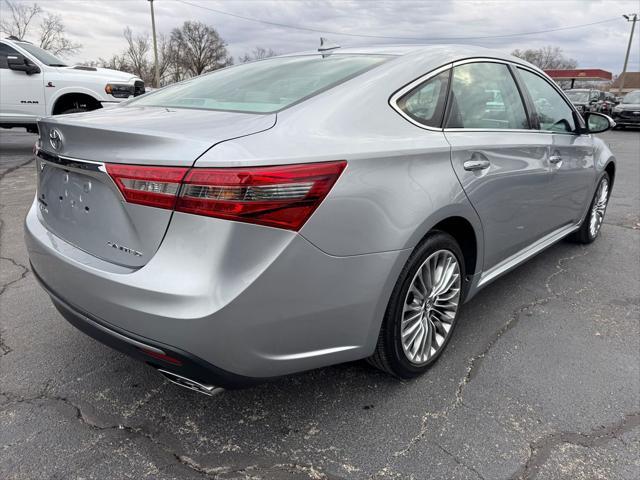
(138, 88)
(630, 115)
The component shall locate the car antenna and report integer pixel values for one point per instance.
(326, 47)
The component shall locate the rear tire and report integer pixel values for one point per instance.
(424, 307)
(592, 223)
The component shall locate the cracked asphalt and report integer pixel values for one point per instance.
(541, 380)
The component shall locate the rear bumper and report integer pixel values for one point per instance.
(242, 301)
(183, 363)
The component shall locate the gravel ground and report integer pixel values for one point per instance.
(541, 380)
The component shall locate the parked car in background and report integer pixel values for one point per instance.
(586, 100)
(309, 209)
(608, 103)
(36, 84)
(627, 112)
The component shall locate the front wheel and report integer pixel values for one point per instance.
(592, 223)
(423, 308)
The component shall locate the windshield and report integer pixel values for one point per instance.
(632, 97)
(262, 87)
(42, 55)
(578, 96)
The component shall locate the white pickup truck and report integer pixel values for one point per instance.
(34, 83)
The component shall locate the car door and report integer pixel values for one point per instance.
(21, 95)
(571, 158)
(500, 161)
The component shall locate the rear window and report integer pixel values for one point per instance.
(262, 87)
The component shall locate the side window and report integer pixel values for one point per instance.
(4, 51)
(553, 112)
(485, 95)
(425, 103)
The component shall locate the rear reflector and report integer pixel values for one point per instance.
(283, 196)
(162, 356)
(151, 186)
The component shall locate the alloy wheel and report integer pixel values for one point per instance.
(430, 307)
(599, 207)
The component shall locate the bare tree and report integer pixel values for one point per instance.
(190, 50)
(116, 62)
(138, 48)
(16, 22)
(19, 20)
(199, 47)
(52, 37)
(258, 53)
(546, 58)
(166, 58)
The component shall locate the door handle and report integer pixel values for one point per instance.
(476, 164)
(555, 159)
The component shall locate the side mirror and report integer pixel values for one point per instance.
(599, 122)
(20, 64)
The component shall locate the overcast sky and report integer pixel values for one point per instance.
(98, 24)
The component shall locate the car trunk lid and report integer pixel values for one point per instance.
(78, 200)
(147, 135)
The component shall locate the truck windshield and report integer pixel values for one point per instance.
(42, 55)
(262, 87)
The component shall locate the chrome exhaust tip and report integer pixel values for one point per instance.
(209, 390)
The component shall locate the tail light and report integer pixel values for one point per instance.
(151, 186)
(282, 196)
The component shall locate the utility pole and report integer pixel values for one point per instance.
(633, 18)
(155, 48)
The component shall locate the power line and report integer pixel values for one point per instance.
(384, 37)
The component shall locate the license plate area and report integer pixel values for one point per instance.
(65, 194)
(78, 202)
(68, 197)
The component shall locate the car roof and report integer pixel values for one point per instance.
(423, 56)
(12, 39)
(451, 50)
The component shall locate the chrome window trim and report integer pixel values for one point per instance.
(496, 130)
(507, 63)
(557, 88)
(480, 60)
(393, 100)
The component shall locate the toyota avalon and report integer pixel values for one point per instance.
(309, 209)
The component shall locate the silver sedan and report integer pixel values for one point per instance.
(309, 209)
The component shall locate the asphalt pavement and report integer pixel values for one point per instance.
(541, 380)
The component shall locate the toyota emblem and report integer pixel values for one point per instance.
(55, 139)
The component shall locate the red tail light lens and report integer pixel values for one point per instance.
(283, 196)
(151, 186)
